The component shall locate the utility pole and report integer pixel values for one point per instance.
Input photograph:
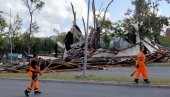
(10, 33)
(86, 41)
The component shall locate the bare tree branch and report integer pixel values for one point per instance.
(26, 2)
(107, 9)
(99, 15)
(34, 9)
(74, 13)
(94, 14)
(84, 26)
(101, 7)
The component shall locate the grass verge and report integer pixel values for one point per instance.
(58, 76)
(159, 64)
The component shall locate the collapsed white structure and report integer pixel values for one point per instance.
(126, 51)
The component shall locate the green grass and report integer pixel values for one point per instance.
(13, 75)
(159, 64)
(118, 79)
(59, 76)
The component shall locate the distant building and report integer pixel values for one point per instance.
(167, 34)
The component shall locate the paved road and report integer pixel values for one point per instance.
(154, 72)
(15, 88)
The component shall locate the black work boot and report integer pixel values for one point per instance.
(37, 92)
(146, 81)
(136, 81)
(27, 93)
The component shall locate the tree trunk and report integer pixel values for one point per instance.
(29, 35)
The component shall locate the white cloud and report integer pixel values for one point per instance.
(55, 14)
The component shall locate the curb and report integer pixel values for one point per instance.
(96, 83)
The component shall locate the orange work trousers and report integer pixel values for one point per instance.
(34, 81)
(141, 70)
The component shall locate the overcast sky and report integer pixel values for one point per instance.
(58, 14)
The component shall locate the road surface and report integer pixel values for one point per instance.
(154, 72)
(15, 88)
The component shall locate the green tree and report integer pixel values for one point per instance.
(15, 35)
(3, 24)
(3, 47)
(32, 6)
(18, 45)
(38, 45)
(150, 24)
(106, 41)
(106, 35)
(16, 26)
(165, 41)
(153, 26)
(49, 45)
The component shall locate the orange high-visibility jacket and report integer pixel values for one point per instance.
(33, 75)
(142, 68)
(31, 69)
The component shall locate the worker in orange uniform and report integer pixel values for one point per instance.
(141, 68)
(34, 70)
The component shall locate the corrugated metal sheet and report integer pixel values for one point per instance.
(150, 45)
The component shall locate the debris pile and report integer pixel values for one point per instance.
(99, 59)
(124, 53)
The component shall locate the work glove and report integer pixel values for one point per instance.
(137, 66)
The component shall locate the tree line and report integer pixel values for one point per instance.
(150, 24)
